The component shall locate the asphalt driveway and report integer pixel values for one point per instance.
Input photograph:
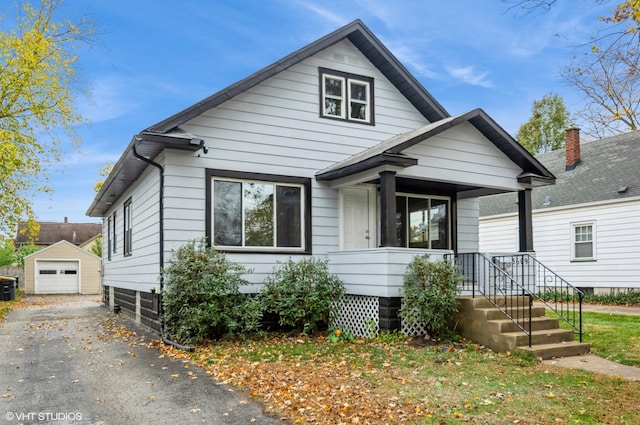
(67, 360)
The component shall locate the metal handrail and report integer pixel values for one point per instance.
(558, 295)
(487, 277)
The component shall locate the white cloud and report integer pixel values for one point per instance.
(325, 13)
(109, 98)
(468, 75)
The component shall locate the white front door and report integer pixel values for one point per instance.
(357, 231)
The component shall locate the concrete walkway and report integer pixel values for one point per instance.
(593, 363)
(67, 360)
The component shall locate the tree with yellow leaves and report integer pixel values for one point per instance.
(606, 72)
(37, 103)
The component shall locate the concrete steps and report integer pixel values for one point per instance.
(480, 321)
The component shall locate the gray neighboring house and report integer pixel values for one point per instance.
(334, 151)
(587, 226)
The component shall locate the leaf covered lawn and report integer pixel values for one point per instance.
(391, 380)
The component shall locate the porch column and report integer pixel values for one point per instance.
(525, 221)
(388, 232)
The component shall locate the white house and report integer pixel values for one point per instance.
(586, 226)
(353, 160)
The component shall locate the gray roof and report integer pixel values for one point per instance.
(607, 166)
(166, 134)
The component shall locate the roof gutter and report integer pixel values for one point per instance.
(160, 242)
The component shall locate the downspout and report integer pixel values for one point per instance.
(161, 245)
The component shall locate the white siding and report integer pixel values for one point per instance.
(141, 269)
(468, 213)
(617, 246)
(275, 128)
(463, 155)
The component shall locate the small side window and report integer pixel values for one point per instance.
(583, 243)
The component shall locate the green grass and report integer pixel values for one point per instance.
(613, 336)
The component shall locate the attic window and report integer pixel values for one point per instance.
(346, 96)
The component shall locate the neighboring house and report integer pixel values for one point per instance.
(335, 151)
(64, 263)
(586, 226)
(62, 268)
(51, 233)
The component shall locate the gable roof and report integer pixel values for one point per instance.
(362, 38)
(51, 233)
(81, 252)
(606, 166)
(166, 134)
(389, 152)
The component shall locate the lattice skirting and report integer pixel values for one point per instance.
(358, 314)
(413, 328)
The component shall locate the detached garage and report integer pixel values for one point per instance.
(62, 268)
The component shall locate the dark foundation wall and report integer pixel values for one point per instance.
(143, 307)
(388, 313)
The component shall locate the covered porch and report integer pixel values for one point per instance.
(418, 193)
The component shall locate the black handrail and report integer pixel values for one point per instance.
(558, 295)
(488, 278)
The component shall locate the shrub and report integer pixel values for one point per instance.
(302, 294)
(431, 290)
(201, 296)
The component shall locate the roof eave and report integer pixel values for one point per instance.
(149, 144)
(384, 158)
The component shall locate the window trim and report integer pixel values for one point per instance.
(109, 227)
(347, 78)
(449, 201)
(304, 182)
(127, 228)
(115, 232)
(573, 242)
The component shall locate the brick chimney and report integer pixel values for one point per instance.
(572, 147)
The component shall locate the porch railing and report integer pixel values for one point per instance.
(513, 282)
(558, 295)
(483, 276)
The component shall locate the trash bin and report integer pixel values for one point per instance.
(7, 288)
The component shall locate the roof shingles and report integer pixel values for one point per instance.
(606, 166)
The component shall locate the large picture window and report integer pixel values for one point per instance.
(423, 222)
(345, 96)
(258, 212)
(583, 246)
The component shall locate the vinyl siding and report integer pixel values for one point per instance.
(617, 243)
(468, 212)
(463, 155)
(141, 269)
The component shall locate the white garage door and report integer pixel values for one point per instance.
(57, 277)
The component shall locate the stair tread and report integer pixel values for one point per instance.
(553, 345)
(541, 332)
(533, 319)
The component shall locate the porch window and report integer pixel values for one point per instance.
(423, 222)
(345, 96)
(259, 215)
(583, 241)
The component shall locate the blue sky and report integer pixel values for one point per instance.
(154, 58)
